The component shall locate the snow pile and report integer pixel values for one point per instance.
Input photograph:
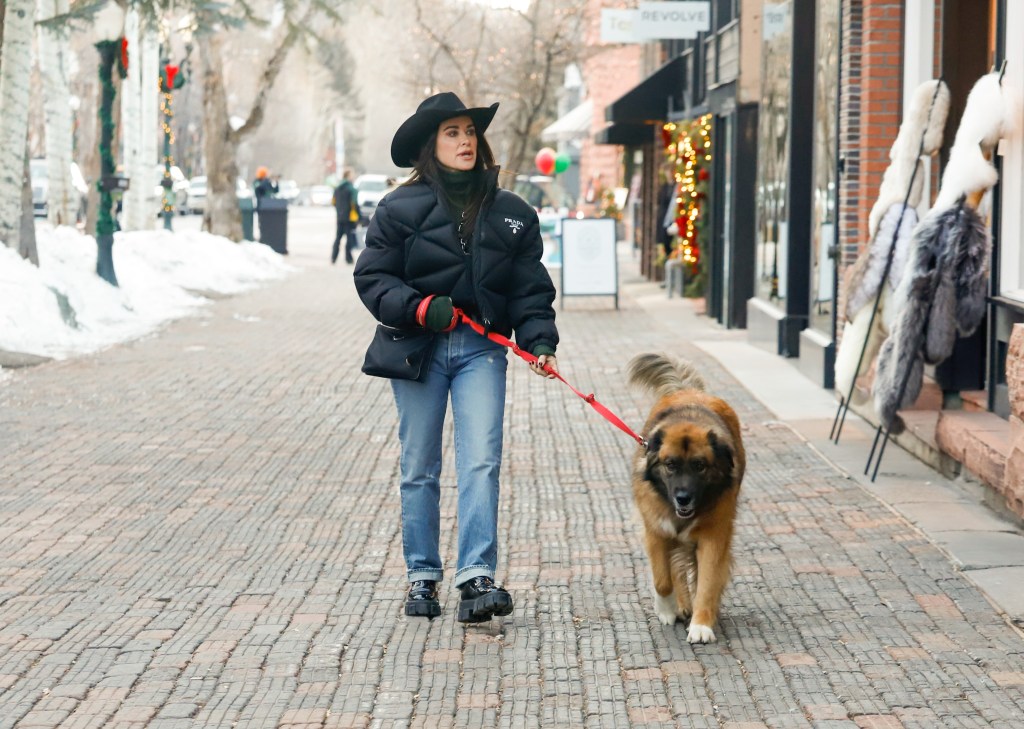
(63, 308)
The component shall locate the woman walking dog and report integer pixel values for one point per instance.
(450, 238)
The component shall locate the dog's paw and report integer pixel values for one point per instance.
(700, 634)
(665, 607)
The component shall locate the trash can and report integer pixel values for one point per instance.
(273, 214)
(245, 204)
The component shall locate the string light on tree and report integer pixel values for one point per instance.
(688, 148)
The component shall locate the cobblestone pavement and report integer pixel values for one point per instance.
(201, 529)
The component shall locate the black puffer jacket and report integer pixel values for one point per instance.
(412, 250)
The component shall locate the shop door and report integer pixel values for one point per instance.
(967, 54)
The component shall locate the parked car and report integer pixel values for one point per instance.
(179, 186)
(369, 190)
(288, 190)
(197, 192)
(320, 195)
(39, 170)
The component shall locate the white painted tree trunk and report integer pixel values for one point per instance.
(15, 72)
(139, 123)
(133, 214)
(27, 245)
(149, 43)
(63, 199)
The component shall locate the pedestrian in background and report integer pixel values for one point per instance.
(264, 186)
(450, 238)
(346, 208)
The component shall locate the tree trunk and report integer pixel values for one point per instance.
(222, 216)
(133, 216)
(27, 242)
(15, 73)
(149, 52)
(62, 199)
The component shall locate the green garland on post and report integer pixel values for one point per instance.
(105, 222)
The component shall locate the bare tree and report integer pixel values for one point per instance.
(507, 54)
(62, 198)
(455, 37)
(334, 57)
(221, 139)
(15, 73)
(551, 40)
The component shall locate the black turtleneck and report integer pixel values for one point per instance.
(459, 186)
(462, 188)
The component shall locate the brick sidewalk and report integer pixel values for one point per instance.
(201, 529)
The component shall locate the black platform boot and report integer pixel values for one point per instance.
(422, 600)
(482, 599)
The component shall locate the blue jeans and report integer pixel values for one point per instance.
(471, 368)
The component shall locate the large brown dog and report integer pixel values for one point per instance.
(686, 485)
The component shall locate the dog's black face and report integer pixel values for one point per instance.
(689, 467)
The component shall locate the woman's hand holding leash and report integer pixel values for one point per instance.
(547, 361)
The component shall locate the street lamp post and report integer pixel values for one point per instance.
(109, 26)
(170, 80)
(173, 78)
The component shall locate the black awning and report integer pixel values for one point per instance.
(630, 135)
(654, 98)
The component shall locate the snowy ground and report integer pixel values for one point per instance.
(62, 308)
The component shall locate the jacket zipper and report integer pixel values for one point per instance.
(477, 238)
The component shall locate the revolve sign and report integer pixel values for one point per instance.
(673, 19)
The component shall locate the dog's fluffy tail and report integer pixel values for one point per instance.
(663, 375)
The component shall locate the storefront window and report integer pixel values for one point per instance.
(823, 228)
(773, 153)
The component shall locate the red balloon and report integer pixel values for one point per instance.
(545, 161)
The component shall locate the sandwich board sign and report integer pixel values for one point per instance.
(589, 266)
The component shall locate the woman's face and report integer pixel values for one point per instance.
(456, 143)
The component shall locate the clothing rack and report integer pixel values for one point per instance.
(844, 401)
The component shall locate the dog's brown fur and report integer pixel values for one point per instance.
(695, 447)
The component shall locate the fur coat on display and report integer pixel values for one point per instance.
(890, 225)
(942, 293)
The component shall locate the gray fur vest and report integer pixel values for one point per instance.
(943, 293)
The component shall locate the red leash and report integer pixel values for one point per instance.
(607, 414)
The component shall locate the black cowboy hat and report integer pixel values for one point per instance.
(409, 139)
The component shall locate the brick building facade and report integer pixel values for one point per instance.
(609, 71)
(869, 113)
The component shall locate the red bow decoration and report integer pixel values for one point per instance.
(171, 71)
(124, 54)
